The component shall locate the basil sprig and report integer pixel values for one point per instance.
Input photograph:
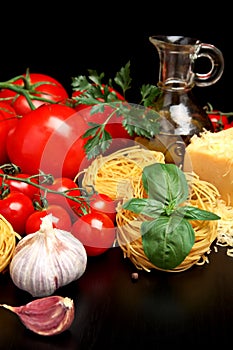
(168, 238)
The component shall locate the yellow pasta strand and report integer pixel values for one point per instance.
(7, 243)
(113, 173)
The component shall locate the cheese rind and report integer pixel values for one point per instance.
(210, 156)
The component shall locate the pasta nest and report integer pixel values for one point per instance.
(119, 176)
(8, 241)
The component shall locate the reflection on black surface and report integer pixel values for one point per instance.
(114, 312)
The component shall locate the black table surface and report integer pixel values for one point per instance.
(113, 311)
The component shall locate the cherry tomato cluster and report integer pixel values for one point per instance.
(41, 132)
(25, 200)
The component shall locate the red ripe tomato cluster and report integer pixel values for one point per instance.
(42, 133)
(90, 218)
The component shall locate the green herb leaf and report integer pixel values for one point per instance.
(149, 95)
(80, 83)
(193, 213)
(99, 143)
(135, 118)
(140, 121)
(123, 78)
(166, 183)
(95, 78)
(146, 206)
(167, 240)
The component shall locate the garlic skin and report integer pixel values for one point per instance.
(46, 316)
(47, 260)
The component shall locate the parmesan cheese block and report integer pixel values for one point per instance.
(210, 156)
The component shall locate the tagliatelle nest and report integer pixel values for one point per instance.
(119, 176)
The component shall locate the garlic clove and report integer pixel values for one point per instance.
(46, 316)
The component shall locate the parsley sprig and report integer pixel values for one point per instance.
(137, 119)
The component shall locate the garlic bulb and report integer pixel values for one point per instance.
(47, 260)
(46, 316)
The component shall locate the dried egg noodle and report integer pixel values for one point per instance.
(119, 176)
(7, 242)
(122, 169)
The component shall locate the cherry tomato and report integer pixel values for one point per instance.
(66, 185)
(1, 177)
(51, 90)
(61, 219)
(48, 139)
(8, 120)
(97, 202)
(31, 191)
(100, 202)
(228, 126)
(78, 207)
(16, 208)
(219, 122)
(96, 231)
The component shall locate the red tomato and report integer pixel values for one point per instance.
(227, 126)
(51, 90)
(96, 231)
(60, 218)
(78, 207)
(16, 208)
(63, 184)
(31, 191)
(8, 120)
(1, 177)
(97, 202)
(100, 202)
(219, 122)
(48, 139)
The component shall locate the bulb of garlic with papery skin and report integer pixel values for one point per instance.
(47, 260)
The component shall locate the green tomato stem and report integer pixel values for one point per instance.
(78, 199)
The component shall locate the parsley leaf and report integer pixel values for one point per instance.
(137, 120)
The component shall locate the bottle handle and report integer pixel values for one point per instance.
(217, 65)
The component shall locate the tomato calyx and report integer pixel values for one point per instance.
(22, 86)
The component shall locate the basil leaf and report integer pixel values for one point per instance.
(146, 206)
(193, 213)
(165, 183)
(167, 240)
